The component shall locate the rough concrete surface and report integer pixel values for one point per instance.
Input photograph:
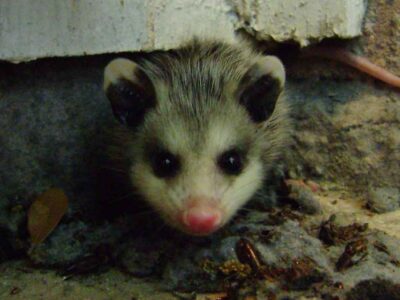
(48, 28)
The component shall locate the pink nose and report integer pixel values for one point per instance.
(201, 219)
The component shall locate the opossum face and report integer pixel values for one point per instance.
(199, 146)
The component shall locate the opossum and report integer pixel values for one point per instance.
(200, 128)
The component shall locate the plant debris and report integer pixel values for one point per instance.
(45, 213)
(302, 274)
(354, 248)
(235, 268)
(248, 254)
(281, 215)
(331, 234)
(299, 276)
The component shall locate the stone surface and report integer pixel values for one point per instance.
(46, 28)
(346, 132)
(50, 120)
(374, 289)
(384, 199)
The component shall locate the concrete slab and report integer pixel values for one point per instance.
(49, 28)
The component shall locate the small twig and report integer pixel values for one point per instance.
(360, 63)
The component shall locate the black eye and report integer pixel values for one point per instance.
(165, 164)
(231, 162)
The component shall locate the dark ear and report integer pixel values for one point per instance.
(261, 87)
(129, 90)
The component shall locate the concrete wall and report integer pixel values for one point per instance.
(48, 28)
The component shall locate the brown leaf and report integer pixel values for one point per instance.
(45, 213)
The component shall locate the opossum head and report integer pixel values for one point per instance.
(201, 127)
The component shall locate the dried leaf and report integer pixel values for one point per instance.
(45, 213)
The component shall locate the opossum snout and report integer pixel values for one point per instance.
(201, 217)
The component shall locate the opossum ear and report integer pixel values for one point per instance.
(129, 90)
(261, 86)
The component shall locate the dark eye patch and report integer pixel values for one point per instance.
(164, 164)
(231, 162)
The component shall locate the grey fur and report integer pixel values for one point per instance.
(196, 90)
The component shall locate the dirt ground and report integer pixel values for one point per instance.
(18, 280)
